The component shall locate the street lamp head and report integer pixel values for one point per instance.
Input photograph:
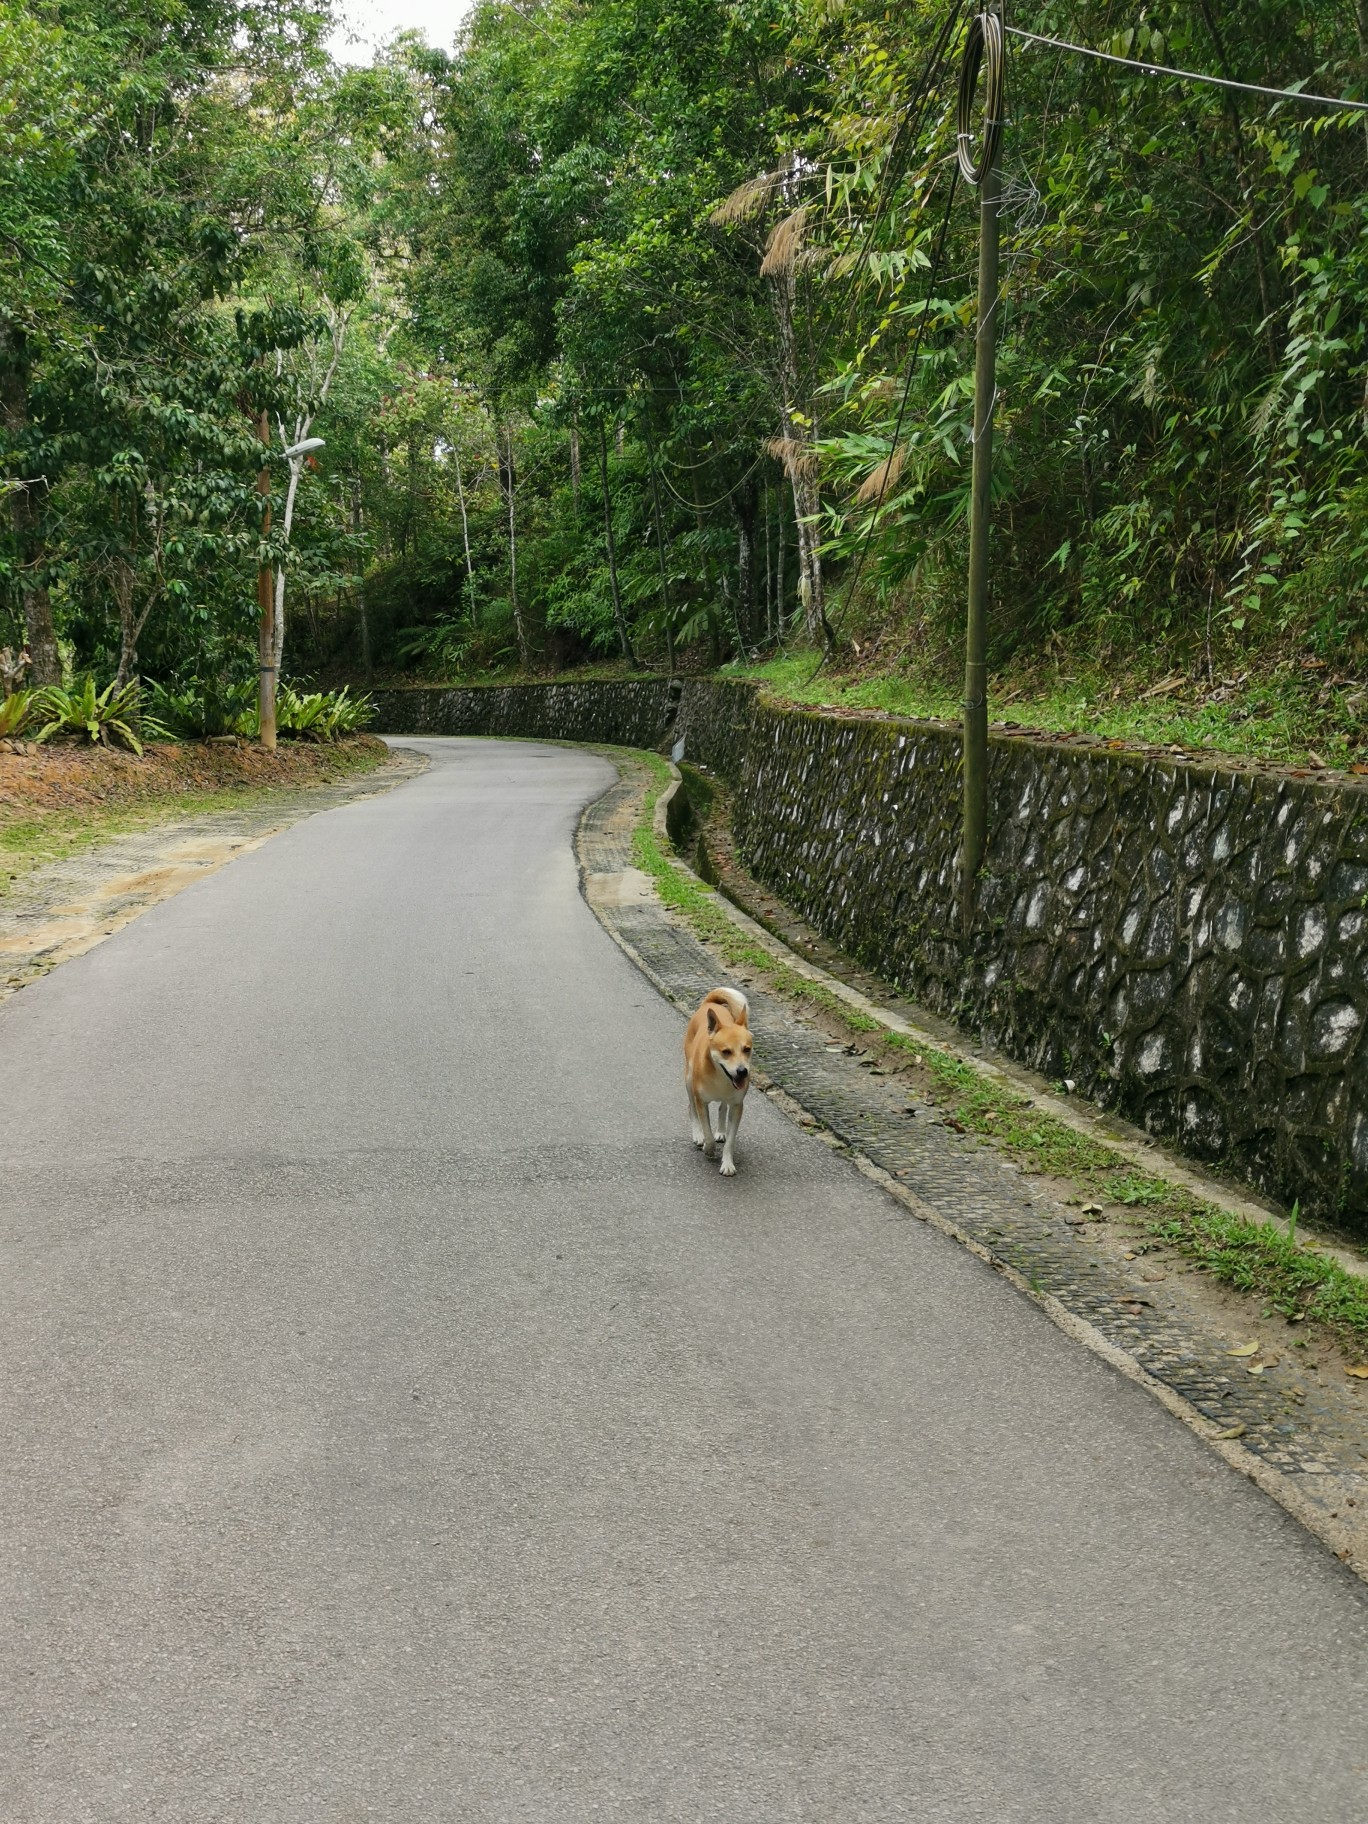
(302, 449)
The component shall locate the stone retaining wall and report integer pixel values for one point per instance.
(630, 713)
(1188, 943)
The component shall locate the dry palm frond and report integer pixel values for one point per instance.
(784, 243)
(799, 461)
(746, 200)
(881, 477)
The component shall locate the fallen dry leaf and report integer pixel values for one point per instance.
(1359, 1370)
(1255, 1367)
(1244, 1349)
(1231, 1431)
(1092, 1209)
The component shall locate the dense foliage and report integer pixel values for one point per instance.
(635, 326)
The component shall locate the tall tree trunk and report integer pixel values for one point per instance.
(575, 460)
(510, 477)
(800, 461)
(359, 580)
(700, 519)
(619, 618)
(769, 574)
(779, 577)
(266, 663)
(465, 538)
(28, 513)
(743, 509)
(123, 581)
(660, 553)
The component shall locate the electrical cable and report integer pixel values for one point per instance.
(984, 44)
(1159, 69)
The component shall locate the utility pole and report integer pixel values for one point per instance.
(986, 44)
(266, 659)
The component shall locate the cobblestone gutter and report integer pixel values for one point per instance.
(1304, 1445)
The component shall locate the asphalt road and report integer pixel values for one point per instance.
(403, 1423)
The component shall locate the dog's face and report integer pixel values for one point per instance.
(729, 1046)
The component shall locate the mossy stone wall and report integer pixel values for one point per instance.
(630, 713)
(1188, 943)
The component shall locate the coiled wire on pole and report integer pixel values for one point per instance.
(984, 45)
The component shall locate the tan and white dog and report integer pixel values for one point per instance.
(717, 1053)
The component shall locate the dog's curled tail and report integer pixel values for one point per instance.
(733, 1000)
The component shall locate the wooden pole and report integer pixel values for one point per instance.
(266, 659)
(980, 521)
(975, 764)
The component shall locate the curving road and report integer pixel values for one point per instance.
(402, 1423)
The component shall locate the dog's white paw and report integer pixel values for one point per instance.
(727, 1169)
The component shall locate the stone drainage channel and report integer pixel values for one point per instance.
(1309, 1452)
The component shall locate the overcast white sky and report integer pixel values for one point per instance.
(370, 22)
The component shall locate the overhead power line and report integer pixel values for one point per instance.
(1159, 69)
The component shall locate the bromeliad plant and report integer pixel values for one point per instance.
(103, 716)
(199, 710)
(321, 715)
(16, 713)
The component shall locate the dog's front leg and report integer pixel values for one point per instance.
(733, 1122)
(700, 1125)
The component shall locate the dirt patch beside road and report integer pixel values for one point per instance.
(58, 800)
(74, 876)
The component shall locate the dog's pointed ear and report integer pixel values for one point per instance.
(712, 1019)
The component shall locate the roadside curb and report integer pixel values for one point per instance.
(1317, 1502)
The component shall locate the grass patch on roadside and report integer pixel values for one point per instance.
(1254, 1258)
(1285, 715)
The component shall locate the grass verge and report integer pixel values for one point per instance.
(1281, 1270)
(1292, 715)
